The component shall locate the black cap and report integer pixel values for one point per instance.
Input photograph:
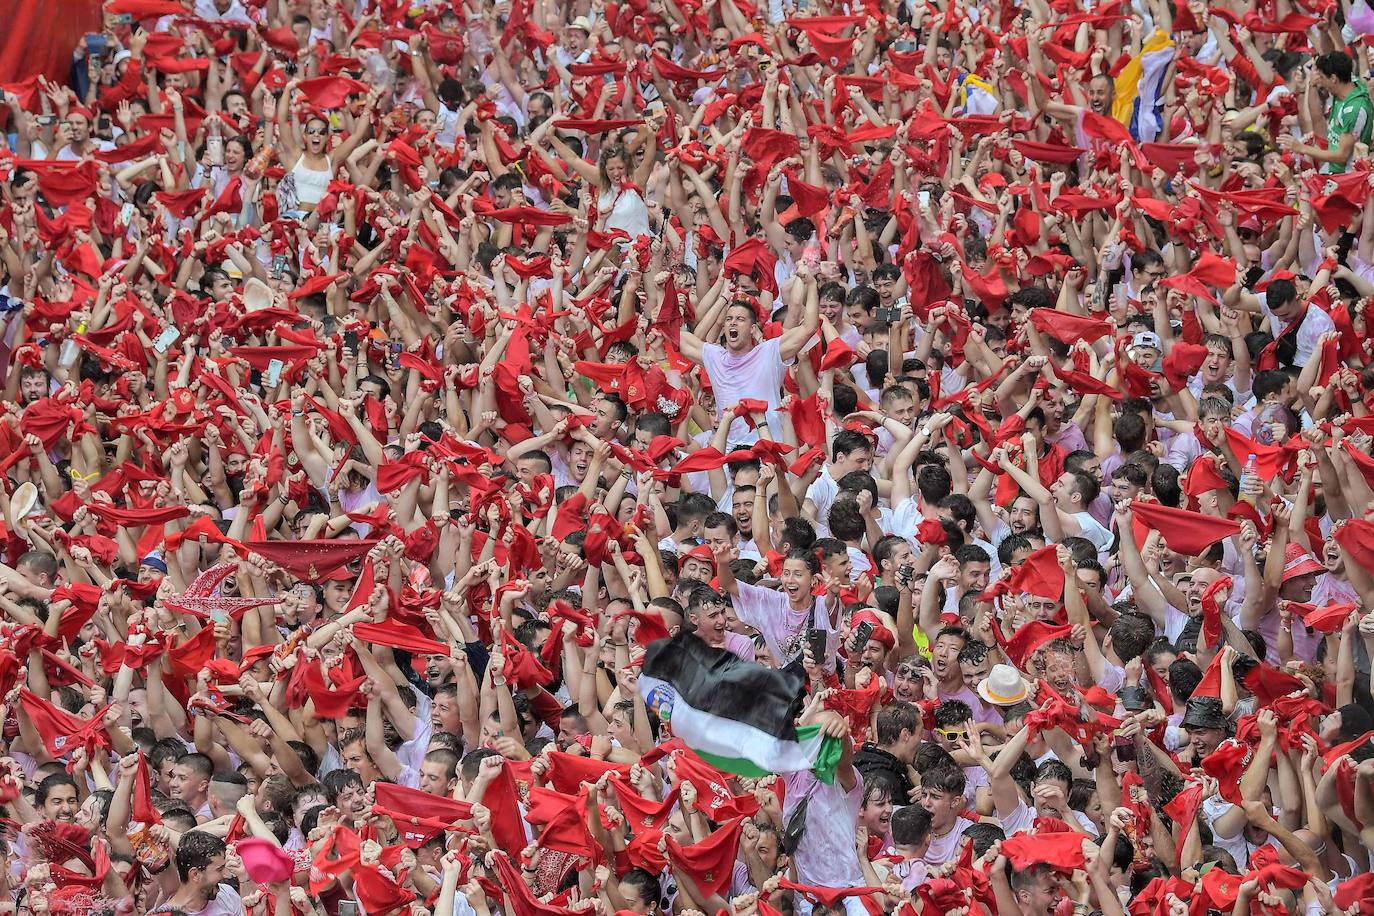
(1205, 712)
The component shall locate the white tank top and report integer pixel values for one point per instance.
(310, 183)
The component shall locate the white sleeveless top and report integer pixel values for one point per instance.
(310, 183)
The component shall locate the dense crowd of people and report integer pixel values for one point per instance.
(383, 379)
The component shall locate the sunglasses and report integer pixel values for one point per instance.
(316, 131)
(908, 671)
(951, 734)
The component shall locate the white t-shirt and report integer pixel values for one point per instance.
(66, 154)
(1022, 820)
(822, 493)
(826, 856)
(906, 517)
(740, 645)
(771, 614)
(412, 753)
(226, 903)
(1314, 324)
(1183, 451)
(1092, 530)
(755, 375)
(912, 873)
(447, 134)
(858, 563)
(943, 849)
(206, 9)
(1213, 809)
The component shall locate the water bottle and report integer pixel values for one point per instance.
(1251, 471)
(383, 76)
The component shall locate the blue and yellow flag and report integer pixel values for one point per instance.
(1140, 88)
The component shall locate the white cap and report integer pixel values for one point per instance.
(1147, 339)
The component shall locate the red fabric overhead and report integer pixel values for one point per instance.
(331, 91)
(1190, 533)
(710, 862)
(311, 560)
(1068, 328)
(1063, 851)
(36, 40)
(1040, 575)
(1032, 636)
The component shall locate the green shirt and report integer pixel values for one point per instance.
(1353, 114)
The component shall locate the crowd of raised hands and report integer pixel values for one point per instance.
(385, 381)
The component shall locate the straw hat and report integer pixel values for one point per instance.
(1003, 686)
(24, 499)
(257, 295)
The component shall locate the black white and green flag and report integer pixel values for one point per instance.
(737, 715)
